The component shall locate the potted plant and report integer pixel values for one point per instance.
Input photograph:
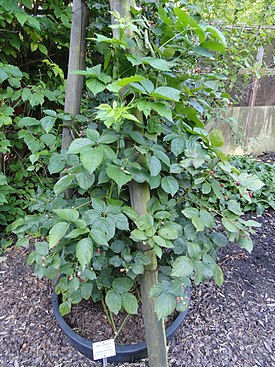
(143, 173)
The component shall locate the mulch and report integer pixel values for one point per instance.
(231, 326)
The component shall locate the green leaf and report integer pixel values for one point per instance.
(34, 23)
(168, 93)
(251, 223)
(77, 232)
(65, 308)
(27, 3)
(108, 137)
(198, 223)
(62, 184)
(170, 185)
(154, 165)
(74, 284)
(216, 138)
(121, 285)
(165, 304)
(246, 243)
(86, 290)
(95, 86)
(129, 303)
(70, 215)
(21, 17)
(162, 156)
(132, 79)
(177, 145)
(91, 158)
(218, 275)
(137, 235)
(217, 34)
(78, 144)
(99, 236)
(206, 188)
(3, 179)
(219, 239)
(194, 250)
(162, 242)
(93, 135)
(85, 180)
(183, 17)
(213, 45)
(57, 232)
(182, 267)
(56, 164)
(230, 226)
(43, 49)
(251, 182)
(28, 121)
(47, 123)
(113, 301)
(84, 251)
(154, 182)
(118, 175)
(163, 110)
(137, 269)
(138, 137)
(130, 212)
(235, 207)
(190, 212)
(158, 64)
(169, 232)
(217, 189)
(42, 248)
(159, 241)
(207, 218)
(90, 274)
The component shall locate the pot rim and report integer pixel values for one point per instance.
(120, 349)
(137, 351)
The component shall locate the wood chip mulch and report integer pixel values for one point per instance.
(231, 326)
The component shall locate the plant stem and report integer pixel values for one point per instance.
(109, 316)
(121, 326)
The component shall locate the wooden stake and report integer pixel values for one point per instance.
(74, 82)
(139, 196)
(76, 62)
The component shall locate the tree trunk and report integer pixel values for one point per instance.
(139, 196)
(75, 82)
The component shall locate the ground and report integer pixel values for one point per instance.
(231, 326)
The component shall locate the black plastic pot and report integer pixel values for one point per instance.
(125, 353)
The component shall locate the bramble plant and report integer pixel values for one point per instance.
(149, 130)
(256, 199)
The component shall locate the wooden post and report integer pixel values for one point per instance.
(139, 196)
(252, 100)
(76, 62)
(154, 329)
(74, 81)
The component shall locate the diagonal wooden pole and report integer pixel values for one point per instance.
(74, 81)
(139, 196)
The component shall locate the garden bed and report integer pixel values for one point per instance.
(230, 326)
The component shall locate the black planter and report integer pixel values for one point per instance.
(125, 353)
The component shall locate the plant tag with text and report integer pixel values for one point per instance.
(104, 349)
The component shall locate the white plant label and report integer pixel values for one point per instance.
(104, 349)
